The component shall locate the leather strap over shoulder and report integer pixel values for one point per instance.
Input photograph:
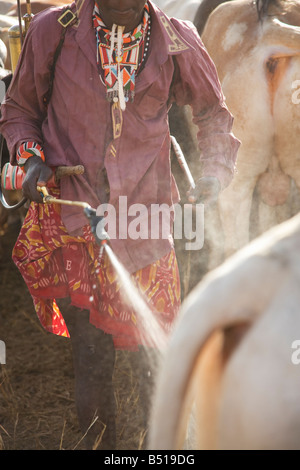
(67, 18)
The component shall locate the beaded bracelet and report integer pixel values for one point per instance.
(27, 150)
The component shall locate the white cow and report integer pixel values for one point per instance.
(232, 353)
(5, 5)
(3, 57)
(184, 10)
(258, 63)
(6, 22)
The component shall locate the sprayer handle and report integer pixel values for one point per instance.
(68, 171)
(12, 176)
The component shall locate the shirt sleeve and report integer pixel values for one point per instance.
(197, 84)
(23, 110)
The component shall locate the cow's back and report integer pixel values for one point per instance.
(247, 399)
(260, 407)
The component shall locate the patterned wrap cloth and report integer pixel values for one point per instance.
(56, 265)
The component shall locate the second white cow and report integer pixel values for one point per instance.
(258, 62)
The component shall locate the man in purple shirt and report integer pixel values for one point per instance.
(122, 65)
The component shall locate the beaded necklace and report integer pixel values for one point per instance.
(121, 56)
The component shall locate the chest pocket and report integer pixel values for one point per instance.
(153, 102)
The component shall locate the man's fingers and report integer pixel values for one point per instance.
(37, 174)
(44, 175)
(206, 191)
(41, 183)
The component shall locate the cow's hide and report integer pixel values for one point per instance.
(6, 22)
(258, 63)
(232, 353)
(5, 6)
(206, 7)
(177, 8)
(3, 55)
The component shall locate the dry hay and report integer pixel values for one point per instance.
(37, 409)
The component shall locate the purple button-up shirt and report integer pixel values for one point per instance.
(78, 125)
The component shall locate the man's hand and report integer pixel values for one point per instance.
(206, 191)
(37, 174)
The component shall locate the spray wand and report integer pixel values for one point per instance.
(182, 162)
(96, 221)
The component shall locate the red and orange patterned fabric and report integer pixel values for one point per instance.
(56, 265)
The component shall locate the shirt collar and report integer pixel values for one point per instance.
(168, 40)
(175, 43)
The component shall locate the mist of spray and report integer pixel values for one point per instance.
(149, 326)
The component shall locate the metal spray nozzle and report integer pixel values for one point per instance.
(97, 225)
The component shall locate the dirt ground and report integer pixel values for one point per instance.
(37, 409)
